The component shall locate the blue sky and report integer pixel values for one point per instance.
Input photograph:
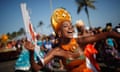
(11, 17)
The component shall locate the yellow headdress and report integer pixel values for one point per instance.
(59, 15)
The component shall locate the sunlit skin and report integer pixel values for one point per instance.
(66, 30)
(65, 34)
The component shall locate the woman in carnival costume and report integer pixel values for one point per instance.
(70, 49)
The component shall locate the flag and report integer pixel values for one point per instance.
(31, 35)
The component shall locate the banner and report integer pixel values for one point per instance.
(31, 35)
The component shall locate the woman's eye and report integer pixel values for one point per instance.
(65, 26)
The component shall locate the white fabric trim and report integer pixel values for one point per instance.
(90, 65)
(37, 50)
(22, 68)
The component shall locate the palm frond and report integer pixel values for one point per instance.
(40, 24)
(79, 8)
(86, 11)
(91, 5)
(92, 1)
(78, 2)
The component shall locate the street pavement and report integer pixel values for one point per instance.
(8, 66)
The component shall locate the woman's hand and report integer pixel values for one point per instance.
(29, 46)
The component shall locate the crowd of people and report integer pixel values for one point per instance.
(65, 52)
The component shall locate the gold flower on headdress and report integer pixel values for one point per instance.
(59, 15)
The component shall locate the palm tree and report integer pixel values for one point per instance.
(21, 31)
(85, 4)
(40, 24)
(14, 34)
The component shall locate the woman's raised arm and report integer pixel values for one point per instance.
(97, 37)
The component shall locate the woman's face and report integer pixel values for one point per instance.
(66, 30)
